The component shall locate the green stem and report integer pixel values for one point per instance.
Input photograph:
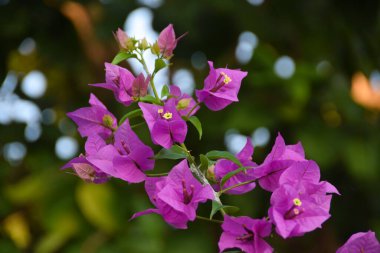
(192, 109)
(198, 173)
(189, 156)
(151, 79)
(210, 220)
(236, 185)
(157, 174)
(138, 124)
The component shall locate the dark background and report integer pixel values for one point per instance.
(43, 209)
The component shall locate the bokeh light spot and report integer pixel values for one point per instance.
(234, 141)
(14, 152)
(260, 137)
(32, 132)
(66, 147)
(284, 67)
(151, 3)
(255, 2)
(34, 84)
(184, 79)
(247, 43)
(27, 46)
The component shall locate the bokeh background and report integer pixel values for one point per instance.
(313, 76)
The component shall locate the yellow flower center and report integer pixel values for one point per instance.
(226, 79)
(107, 121)
(297, 202)
(160, 111)
(167, 115)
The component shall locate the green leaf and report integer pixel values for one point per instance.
(195, 121)
(174, 153)
(165, 91)
(216, 206)
(204, 163)
(215, 155)
(231, 209)
(231, 174)
(121, 56)
(130, 115)
(149, 98)
(159, 64)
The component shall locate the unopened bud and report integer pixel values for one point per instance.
(130, 44)
(108, 121)
(121, 38)
(183, 103)
(210, 174)
(143, 44)
(155, 49)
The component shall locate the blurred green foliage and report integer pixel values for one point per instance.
(43, 209)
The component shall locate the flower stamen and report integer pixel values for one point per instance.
(297, 202)
(167, 115)
(226, 79)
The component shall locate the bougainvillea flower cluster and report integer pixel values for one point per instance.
(176, 196)
(299, 203)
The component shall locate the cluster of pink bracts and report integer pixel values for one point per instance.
(299, 203)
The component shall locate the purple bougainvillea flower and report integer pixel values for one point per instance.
(87, 171)
(280, 158)
(364, 242)
(94, 120)
(301, 203)
(120, 81)
(140, 86)
(246, 234)
(122, 38)
(126, 159)
(224, 166)
(176, 196)
(184, 103)
(84, 168)
(167, 41)
(164, 122)
(221, 87)
(306, 174)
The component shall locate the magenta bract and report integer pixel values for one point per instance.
(301, 203)
(221, 87)
(167, 41)
(224, 166)
(246, 234)
(127, 158)
(176, 196)
(119, 80)
(361, 242)
(184, 103)
(94, 120)
(165, 123)
(279, 159)
(86, 171)
(121, 38)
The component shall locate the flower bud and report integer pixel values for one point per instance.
(122, 38)
(108, 121)
(210, 174)
(130, 44)
(155, 49)
(183, 104)
(143, 44)
(140, 86)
